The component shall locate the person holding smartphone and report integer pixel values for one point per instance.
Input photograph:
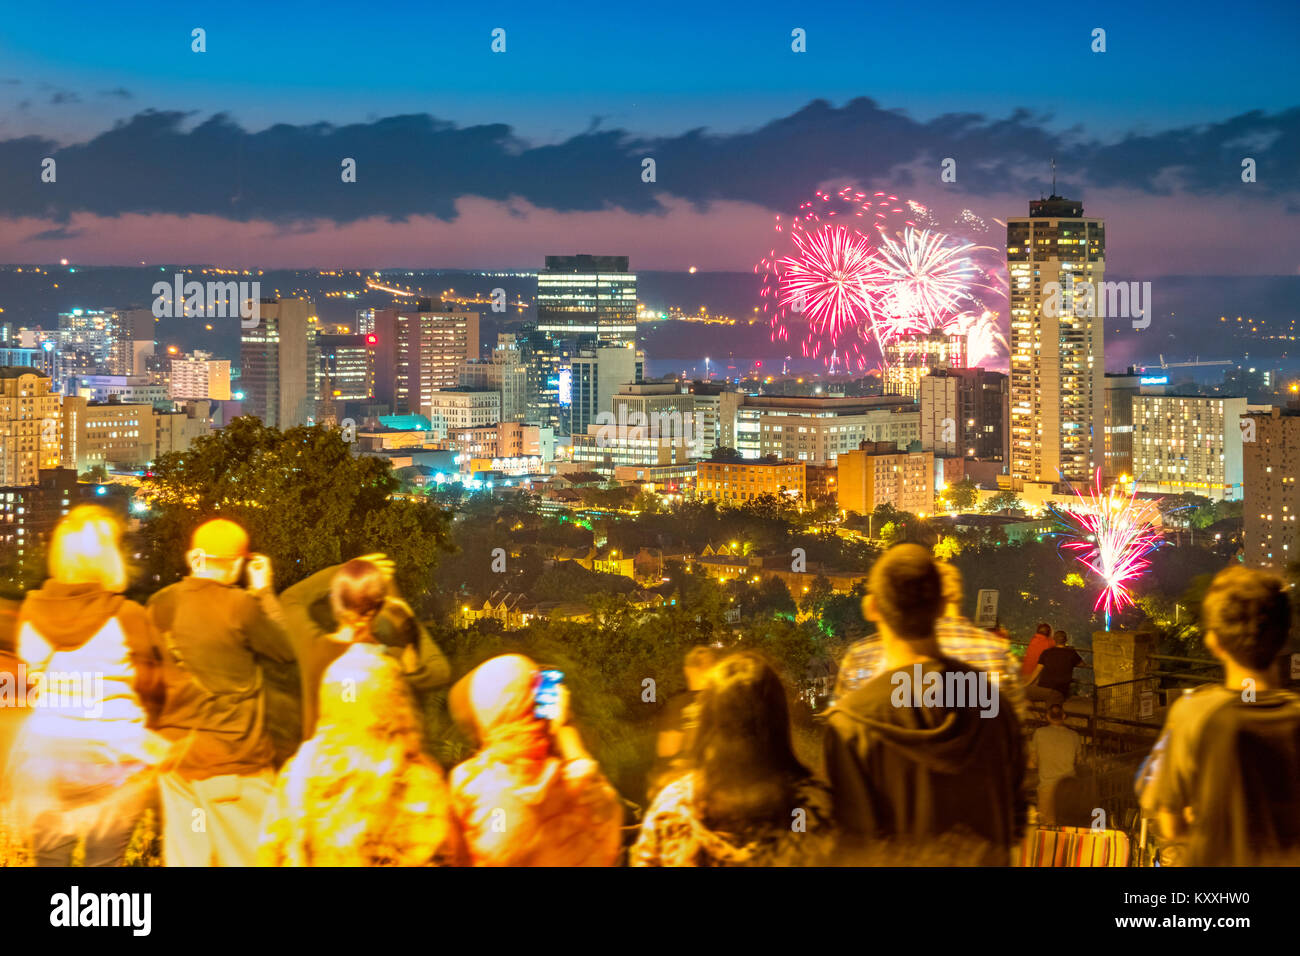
(213, 633)
(532, 795)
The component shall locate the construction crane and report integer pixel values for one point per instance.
(1195, 362)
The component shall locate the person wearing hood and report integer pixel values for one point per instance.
(213, 634)
(925, 753)
(361, 791)
(748, 801)
(82, 766)
(532, 795)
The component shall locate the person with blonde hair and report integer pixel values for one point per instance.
(82, 766)
(532, 795)
(213, 635)
(361, 791)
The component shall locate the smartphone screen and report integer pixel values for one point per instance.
(546, 696)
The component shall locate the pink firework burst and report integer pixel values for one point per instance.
(833, 280)
(1113, 534)
(836, 230)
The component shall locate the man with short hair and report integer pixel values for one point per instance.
(219, 774)
(959, 639)
(1051, 678)
(675, 740)
(1055, 750)
(1225, 774)
(911, 767)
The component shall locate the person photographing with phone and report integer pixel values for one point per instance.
(219, 773)
(532, 795)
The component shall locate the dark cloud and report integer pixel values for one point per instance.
(57, 233)
(418, 165)
(62, 97)
(120, 92)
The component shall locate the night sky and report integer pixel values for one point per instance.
(470, 159)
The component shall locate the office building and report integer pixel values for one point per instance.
(964, 413)
(450, 409)
(347, 367)
(597, 375)
(1057, 343)
(817, 429)
(503, 372)
(279, 364)
(112, 434)
(735, 482)
(589, 301)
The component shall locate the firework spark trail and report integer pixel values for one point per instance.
(1114, 533)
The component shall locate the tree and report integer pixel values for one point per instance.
(1003, 502)
(95, 474)
(947, 548)
(306, 501)
(961, 495)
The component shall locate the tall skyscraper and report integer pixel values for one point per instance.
(1271, 505)
(421, 350)
(1057, 373)
(590, 299)
(278, 364)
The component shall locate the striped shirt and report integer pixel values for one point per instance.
(960, 640)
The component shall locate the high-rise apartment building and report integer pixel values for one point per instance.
(31, 426)
(200, 376)
(879, 474)
(279, 366)
(910, 358)
(421, 350)
(1188, 444)
(1271, 446)
(1057, 342)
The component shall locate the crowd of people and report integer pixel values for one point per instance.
(925, 749)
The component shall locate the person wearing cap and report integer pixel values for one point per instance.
(219, 774)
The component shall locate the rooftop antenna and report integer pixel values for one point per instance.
(1053, 175)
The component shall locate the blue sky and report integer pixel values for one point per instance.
(469, 159)
(651, 68)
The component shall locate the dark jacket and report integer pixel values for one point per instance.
(310, 620)
(210, 638)
(911, 777)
